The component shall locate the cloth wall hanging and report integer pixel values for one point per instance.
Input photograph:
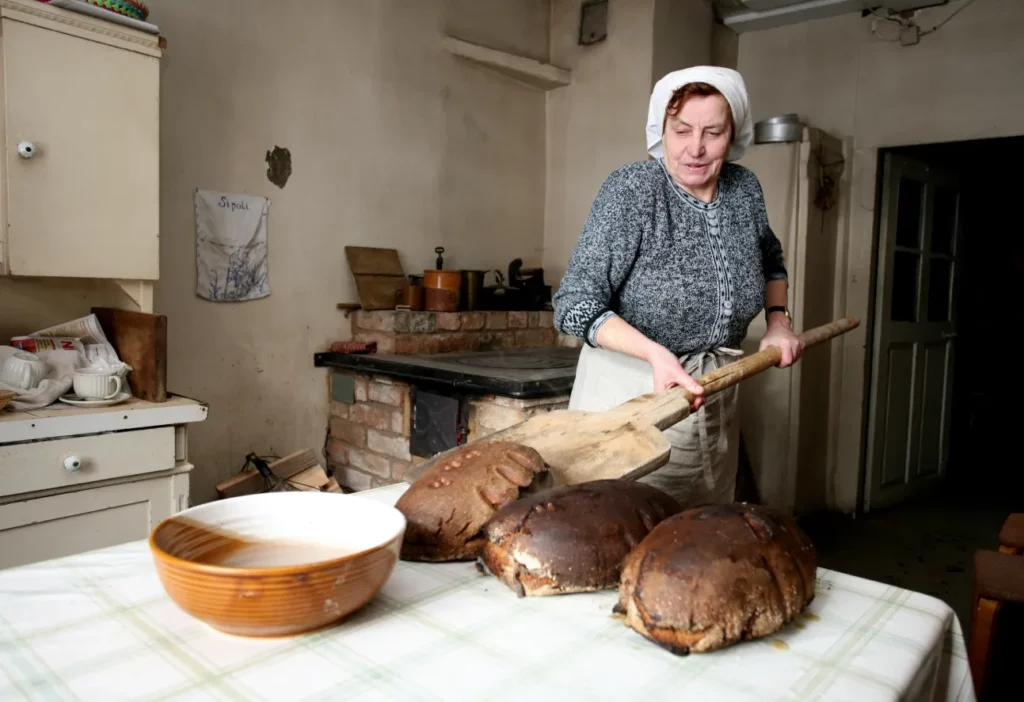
(231, 246)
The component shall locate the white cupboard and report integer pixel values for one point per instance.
(80, 162)
(72, 480)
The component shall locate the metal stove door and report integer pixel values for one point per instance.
(435, 424)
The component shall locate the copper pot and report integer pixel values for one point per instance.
(442, 290)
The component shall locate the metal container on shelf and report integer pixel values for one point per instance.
(781, 128)
(472, 285)
(441, 290)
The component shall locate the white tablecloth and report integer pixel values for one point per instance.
(97, 626)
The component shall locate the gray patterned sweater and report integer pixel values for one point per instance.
(689, 275)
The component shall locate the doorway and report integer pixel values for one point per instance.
(943, 386)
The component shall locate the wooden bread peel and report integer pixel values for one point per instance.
(378, 274)
(625, 441)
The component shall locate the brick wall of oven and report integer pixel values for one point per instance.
(405, 332)
(368, 441)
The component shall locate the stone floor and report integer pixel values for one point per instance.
(926, 545)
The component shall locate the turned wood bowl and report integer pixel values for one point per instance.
(277, 564)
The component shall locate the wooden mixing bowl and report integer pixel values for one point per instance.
(277, 564)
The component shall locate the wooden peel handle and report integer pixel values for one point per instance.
(664, 409)
(729, 375)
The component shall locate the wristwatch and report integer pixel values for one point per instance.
(778, 308)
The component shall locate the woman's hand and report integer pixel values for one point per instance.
(617, 335)
(668, 373)
(781, 336)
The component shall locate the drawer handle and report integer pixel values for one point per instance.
(72, 464)
(26, 149)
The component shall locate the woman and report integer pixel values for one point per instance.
(674, 262)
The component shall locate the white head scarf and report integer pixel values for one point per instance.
(727, 81)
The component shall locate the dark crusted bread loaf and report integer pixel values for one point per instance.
(571, 538)
(711, 576)
(448, 505)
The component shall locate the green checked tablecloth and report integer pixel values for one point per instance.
(97, 626)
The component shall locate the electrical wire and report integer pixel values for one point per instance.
(953, 14)
(904, 23)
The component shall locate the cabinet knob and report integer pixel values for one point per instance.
(72, 464)
(26, 149)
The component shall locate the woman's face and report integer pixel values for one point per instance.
(696, 143)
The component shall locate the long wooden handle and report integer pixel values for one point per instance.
(730, 374)
(663, 409)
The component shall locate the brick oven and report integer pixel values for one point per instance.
(438, 380)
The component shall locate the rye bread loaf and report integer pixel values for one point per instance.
(711, 576)
(572, 538)
(447, 506)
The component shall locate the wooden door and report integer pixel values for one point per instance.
(915, 330)
(86, 204)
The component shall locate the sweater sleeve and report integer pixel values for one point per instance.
(602, 259)
(773, 260)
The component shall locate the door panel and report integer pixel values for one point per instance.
(932, 409)
(900, 390)
(914, 329)
(87, 203)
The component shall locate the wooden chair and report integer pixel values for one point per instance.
(1011, 536)
(998, 579)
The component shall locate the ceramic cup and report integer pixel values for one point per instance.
(23, 370)
(97, 385)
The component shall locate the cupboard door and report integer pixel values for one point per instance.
(61, 525)
(86, 203)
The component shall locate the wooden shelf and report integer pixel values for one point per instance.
(526, 70)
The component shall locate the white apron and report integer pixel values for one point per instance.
(702, 464)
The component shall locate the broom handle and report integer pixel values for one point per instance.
(663, 409)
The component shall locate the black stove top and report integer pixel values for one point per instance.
(522, 361)
(522, 373)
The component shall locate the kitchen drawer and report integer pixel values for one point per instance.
(40, 465)
(61, 525)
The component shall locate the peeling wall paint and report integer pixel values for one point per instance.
(279, 166)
